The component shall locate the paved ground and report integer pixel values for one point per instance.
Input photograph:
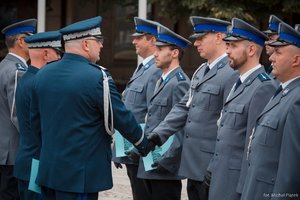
(122, 190)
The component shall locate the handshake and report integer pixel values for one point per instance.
(153, 140)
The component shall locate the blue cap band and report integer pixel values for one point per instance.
(19, 30)
(289, 38)
(146, 29)
(210, 27)
(249, 35)
(273, 26)
(169, 39)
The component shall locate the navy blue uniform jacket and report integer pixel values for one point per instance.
(76, 154)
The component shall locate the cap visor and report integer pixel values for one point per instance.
(197, 35)
(279, 43)
(233, 38)
(159, 43)
(270, 32)
(137, 34)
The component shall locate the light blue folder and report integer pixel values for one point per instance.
(34, 170)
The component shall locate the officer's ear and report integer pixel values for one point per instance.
(296, 58)
(19, 41)
(84, 45)
(219, 38)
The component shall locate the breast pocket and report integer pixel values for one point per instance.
(234, 116)
(269, 134)
(209, 98)
(161, 107)
(135, 94)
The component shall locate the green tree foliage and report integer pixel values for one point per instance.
(250, 10)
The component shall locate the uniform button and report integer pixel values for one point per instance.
(193, 105)
(218, 139)
(225, 110)
(187, 136)
(222, 125)
(216, 154)
(249, 164)
(273, 180)
(189, 121)
(147, 126)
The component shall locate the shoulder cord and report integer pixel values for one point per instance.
(107, 105)
(188, 103)
(13, 103)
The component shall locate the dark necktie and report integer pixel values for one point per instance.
(139, 67)
(237, 84)
(279, 89)
(206, 70)
(270, 69)
(158, 83)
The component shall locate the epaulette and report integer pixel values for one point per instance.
(102, 68)
(180, 76)
(221, 64)
(20, 67)
(263, 77)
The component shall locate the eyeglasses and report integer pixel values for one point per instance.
(99, 40)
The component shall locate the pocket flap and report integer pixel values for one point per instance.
(270, 122)
(137, 87)
(160, 101)
(236, 108)
(211, 89)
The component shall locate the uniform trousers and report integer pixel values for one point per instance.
(8, 183)
(197, 190)
(50, 194)
(164, 189)
(26, 194)
(138, 187)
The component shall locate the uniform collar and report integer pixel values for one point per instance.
(32, 69)
(20, 58)
(285, 84)
(146, 60)
(249, 72)
(164, 76)
(211, 65)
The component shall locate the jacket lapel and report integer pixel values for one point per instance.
(275, 101)
(245, 84)
(141, 71)
(213, 71)
(169, 77)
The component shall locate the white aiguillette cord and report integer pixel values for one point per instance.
(107, 105)
(188, 103)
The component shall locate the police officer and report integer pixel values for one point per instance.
(76, 105)
(274, 150)
(138, 92)
(272, 34)
(198, 111)
(43, 48)
(11, 68)
(164, 183)
(248, 97)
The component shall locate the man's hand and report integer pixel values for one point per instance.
(133, 156)
(155, 139)
(118, 165)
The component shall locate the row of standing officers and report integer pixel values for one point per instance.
(235, 126)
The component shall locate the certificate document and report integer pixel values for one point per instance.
(122, 145)
(155, 155)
